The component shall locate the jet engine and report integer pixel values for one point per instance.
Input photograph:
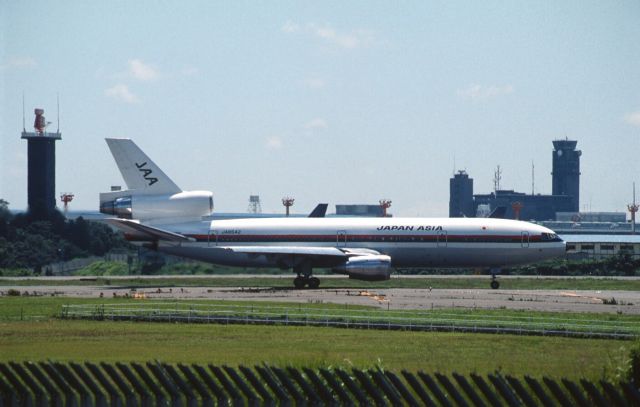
(191, 204)
(368, 268)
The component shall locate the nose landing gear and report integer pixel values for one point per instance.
(494, 279)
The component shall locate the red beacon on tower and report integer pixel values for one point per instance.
(66, 198)
(40, 123)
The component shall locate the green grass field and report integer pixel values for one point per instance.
(521, 283)
(304, 346)
(42, 336)
(15, 308)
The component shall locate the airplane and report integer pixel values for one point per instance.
(156, 213)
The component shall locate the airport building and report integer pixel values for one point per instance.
(564, 198)
(461, 203)
(566, 171)
(532, 207)
(600, 246)
(593, 223)
(360, 210)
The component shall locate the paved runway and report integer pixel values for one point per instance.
(626, 302)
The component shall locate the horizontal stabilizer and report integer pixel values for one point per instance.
(320, 211)
(144, 232)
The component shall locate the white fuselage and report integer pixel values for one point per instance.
(410, 242)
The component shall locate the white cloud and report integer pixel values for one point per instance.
(290, 27)
(121, 92)
(344, 39)
(633, 118)
(314, 83)
(316, 124)
(349, 40)
(19, 62)
(189, 71)
(142, 71)
(481, 92)
(274, 143)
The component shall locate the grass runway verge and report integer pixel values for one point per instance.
(286, 282)
(47, 337)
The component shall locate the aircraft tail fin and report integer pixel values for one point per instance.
(140, 173)
(319, 211)
(499, 212)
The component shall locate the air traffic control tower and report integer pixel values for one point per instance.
(566, 171)
(42, 167)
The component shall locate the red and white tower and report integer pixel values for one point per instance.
(633, 208)
(517, 208)
(385, 204)
(287, 202)
(66, 197)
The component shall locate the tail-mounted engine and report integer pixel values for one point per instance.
(188, 204)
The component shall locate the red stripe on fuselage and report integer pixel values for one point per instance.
(369, 238)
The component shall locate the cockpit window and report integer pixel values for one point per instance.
(549, 237)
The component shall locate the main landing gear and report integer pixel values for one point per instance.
(301, 281)
(304, 278)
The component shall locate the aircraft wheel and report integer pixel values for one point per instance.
(314, 282)
(495, 285)
(299, 283)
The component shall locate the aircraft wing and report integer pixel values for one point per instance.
(290, 255)
(289, 250)
(145, 232)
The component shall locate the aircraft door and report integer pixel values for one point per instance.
(341, 238)
(213, 238)
(525, 239)
(442, 238)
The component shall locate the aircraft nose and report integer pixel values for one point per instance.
(560, 248)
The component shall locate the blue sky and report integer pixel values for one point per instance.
(339, 102)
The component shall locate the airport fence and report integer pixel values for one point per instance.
(356, 319)
(161, 384)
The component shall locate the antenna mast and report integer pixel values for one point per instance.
(24, 126)
(497, 176)
(454, 165)
(533, 179)
(58, 104)
(633, 208)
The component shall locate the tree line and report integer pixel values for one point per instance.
(26, 242)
